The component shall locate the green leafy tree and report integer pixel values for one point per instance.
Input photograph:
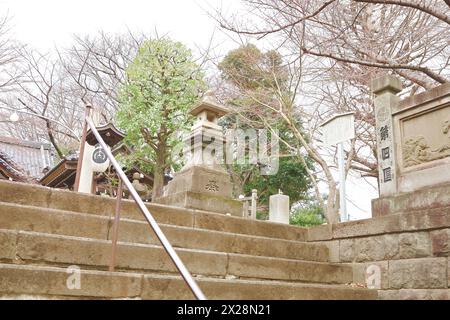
(309, 213)
(163, 82)
(256, 78)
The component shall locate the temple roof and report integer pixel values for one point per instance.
(11, 170)
(34, 158)
(109, 133)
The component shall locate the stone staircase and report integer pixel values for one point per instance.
(43, 231)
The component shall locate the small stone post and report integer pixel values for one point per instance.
(279, 208)
(253, 207)
(385, 89)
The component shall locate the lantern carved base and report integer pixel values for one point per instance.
(202, 188)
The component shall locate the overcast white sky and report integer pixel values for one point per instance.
(46, 23)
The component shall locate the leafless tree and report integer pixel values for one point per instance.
(336, 48)
(96, 64)
(45, 102)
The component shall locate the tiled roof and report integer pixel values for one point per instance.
(11, 169)
(32, 157)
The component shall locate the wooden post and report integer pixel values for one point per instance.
(116, 226)
(87, 113)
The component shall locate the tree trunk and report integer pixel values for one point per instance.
(52, 140)
(158, 172)
(331, 212)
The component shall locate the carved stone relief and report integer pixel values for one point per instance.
(417, 150)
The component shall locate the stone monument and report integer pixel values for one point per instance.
(413, 146)
(279, 208)
(203, 183)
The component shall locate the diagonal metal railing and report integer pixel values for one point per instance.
(148, 216)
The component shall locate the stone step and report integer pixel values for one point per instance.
(23, 247)
(43, 282)
(43, 197)
(44, 220)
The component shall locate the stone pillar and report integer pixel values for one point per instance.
(203, 183)
(87, 172)
(254, 203)
(279, 208)
(385, 89)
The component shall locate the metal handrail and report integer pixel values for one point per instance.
(148, 216)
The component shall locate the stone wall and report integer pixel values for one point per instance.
(411, 250)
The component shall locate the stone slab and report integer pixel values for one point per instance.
(385, 247)
(414, 294)
(419, 220)
(55, 250)
(219, 222)
(29, 218)
(284, 269)
(8, 240)
(39, 282)
(427, 198)
(202, 201)
(51, 221)
(319, 233)
(440, 241)
(33, 280)
(63, 250)
(425, 273)
(360, 273)
(199, 179)
(161, 288)
(366, 227)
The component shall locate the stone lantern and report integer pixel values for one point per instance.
(203, 183)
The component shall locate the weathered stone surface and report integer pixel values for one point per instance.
(220, 222)
(429, 198)
(49, 283)
(414, 245)
(201, 201)
(96, 205)
(87, 252)
(160, 288)
(200, 179)
(440, 240)
(414, 294)
(63, 250)
(425, 219)
(426, 273)
(448, 272)
(52, 221)
(346, 250)
(376, 248)
(386, 83)
(426, 96)
(333, 249)
(366, 227)
(318, 233)
(360, 275)
(8, 241)
(385, 247)
(284, 269)
(34, 280)
(23, 193)
(279, 248)
(27, 218)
